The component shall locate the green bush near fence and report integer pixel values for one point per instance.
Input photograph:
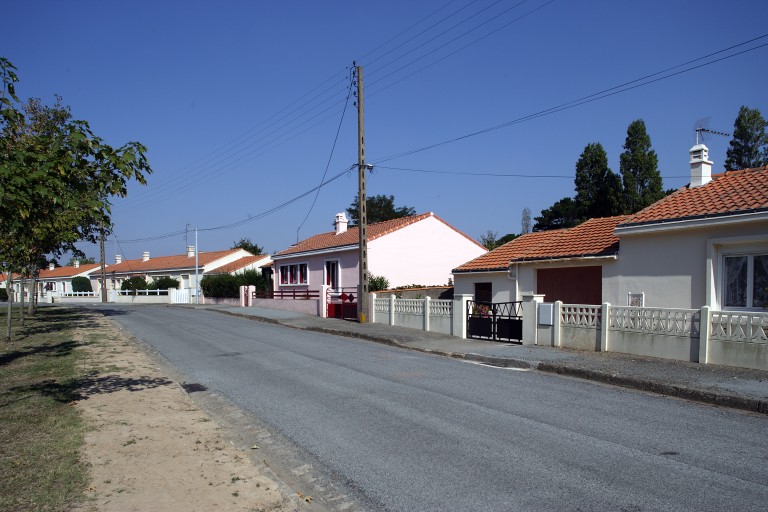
(3, 295)
(228, 285)
(81, 284)
(134, 283)
(164, 283)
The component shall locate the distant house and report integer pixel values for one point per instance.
(53, 280)
(564, 264)
(421, 249)
(705, 244)
(182, 267)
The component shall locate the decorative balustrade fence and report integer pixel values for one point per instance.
(427, 314)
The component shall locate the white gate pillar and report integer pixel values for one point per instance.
(531, 303)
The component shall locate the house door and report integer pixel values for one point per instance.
(332, 274)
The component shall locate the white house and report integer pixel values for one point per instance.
(704, 245)
(421, 249)
(53, 280)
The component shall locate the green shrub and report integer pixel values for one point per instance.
(3, 295)
(164, 283)
(228, 286)
(134, 283)
(81, 284)
(377, 283)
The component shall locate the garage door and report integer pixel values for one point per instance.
(575, 285)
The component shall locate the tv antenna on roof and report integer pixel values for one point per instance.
(702, 126)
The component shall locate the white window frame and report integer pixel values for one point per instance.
(290, 266)
(338, 273)
(749, 251)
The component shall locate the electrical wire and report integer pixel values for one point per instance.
(491, 174)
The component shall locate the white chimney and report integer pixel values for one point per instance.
(118, 258)
(145, 256)
(76, 264)
(190, 251)
(701, 167)
(341, 223)
(51, 266)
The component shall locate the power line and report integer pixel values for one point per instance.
(492, 174)
(626, 86)
(330, 157)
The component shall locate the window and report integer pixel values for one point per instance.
(483, 292)
(295, 274)
(746, 281)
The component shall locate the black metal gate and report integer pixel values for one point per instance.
(497, 321)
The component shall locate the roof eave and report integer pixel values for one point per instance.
(693, 222)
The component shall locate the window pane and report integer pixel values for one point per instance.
(283, 275)
(760, 282)
(303, 270)
(736, 281)
(294, 274)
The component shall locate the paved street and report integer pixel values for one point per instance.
(412, 431)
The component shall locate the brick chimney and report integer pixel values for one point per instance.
(118, 258)
(341, 223)
(145, 256)
(701, 167)
(190, 251)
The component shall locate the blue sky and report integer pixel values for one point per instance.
(239, 102)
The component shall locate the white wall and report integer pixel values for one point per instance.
(675, 268)
(502, 286)
(422, 253)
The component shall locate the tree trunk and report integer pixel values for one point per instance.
(8, 284)
(32, 293)
(21, 302)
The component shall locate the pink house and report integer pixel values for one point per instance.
(422, 249)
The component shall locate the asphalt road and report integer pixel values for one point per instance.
(414, 432)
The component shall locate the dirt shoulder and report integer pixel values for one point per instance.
(151, 448)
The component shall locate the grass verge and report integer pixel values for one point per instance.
(41, 434)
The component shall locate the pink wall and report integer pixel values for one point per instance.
(348, 272)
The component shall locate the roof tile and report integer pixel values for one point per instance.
(591, 238)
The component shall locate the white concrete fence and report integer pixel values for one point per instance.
(698, 335)
(427, 314)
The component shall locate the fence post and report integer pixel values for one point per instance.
(605, 311)
(705, 330)
(459, 315)
(557, 323)
(372, 307)
(426, 312)
(530, 305)
(392, 309)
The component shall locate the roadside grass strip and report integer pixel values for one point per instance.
(41, 434)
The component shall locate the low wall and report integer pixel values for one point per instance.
(423, 314)
(221, 301)
(306, 306)
(738, 339)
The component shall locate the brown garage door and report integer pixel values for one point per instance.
(577, 285)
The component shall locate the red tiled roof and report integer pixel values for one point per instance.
(351, 236)
(729, 193)
(237, 264)
(69, 271)
(180, 261)
(589, 239)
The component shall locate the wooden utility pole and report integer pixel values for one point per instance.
(362, 299)
(103, 270)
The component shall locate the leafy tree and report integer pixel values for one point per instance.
(245, 243)
(81, 284)
(525, 221)
(56, 178)
(488, 240)
(639, 170)
(749, 146)
(379, 208)
(507, 238)
(598, 189)
(134, 283)
(560, 215)
(83, 261)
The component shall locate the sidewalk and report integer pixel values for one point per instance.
(725, 386)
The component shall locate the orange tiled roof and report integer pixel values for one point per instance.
(729, 193)
(589, 239)
(69, 271)
(179, 261)
(351, 236)
(237, 264)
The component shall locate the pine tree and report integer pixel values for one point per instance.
(598, 189)
(749, 146)
(639, 170)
